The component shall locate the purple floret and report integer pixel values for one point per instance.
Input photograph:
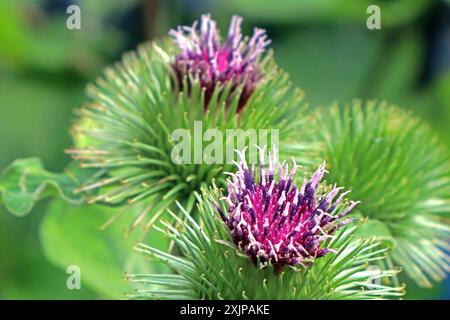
(273, 220)
(202, 54)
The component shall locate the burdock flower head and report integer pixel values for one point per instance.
(233, 61)
(128, 130)
(273, 220)
(134, 135)
(276, 224)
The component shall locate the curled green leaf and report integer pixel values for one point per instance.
(26, 181)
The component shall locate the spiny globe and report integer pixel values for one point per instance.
(394, 164)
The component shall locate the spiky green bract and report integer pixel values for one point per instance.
(125, 130)
(392, 163)
(213, 268)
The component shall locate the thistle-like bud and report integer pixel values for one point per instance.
(204, 55)
(400, 172)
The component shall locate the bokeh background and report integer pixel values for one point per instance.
(44, 68)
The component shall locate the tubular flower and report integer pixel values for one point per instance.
(203, 54)
(273, 220)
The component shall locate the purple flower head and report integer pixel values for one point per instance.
(273, 220)
(215, 62)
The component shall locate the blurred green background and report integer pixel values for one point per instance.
(44, 67)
